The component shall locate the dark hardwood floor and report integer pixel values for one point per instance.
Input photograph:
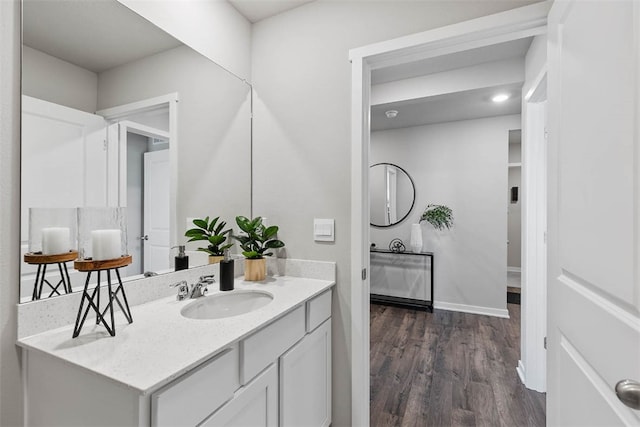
(448, 369)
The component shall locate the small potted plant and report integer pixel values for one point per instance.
(255, 244)
(213, 232)
(439, 216)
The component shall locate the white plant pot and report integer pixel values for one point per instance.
(416, 238)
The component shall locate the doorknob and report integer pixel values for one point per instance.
(145, 237)
(628, 391)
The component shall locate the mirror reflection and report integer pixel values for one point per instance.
(392, 194)
(118, 113)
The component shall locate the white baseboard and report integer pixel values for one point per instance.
(520, 370)
(473, 309)
(514, 269)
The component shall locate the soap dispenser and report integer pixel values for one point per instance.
(226, 272)
(181, 260)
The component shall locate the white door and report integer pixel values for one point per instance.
(64, 161)
(594, 212)
(156, 210)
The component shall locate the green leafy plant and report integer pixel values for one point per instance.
(439, 216)
(257, 239)
(212, 232)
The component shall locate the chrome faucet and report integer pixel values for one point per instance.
(183, 289)
(200, 289)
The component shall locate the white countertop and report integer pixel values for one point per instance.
(161, 344)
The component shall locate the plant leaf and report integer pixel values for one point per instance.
(269, 232)
(216, 240)
(251, 254)
(243, 223)
(213, 223)
(195, 232)
(274, 244)
(201, 223)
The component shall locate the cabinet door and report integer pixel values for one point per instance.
(254, 405)
(305, 381)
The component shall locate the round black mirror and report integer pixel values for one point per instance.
(392, 194)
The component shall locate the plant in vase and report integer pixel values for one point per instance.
(256, 244)
(439, 216)
(213, 232)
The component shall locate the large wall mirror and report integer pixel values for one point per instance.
(392, 194)
(116, 112)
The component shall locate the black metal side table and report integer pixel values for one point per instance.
(42, 261)
(93, 298)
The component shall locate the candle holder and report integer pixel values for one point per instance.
(52, 240)
(92, 298)
(102, 247)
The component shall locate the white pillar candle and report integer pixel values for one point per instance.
(55, 240)
(105, 244)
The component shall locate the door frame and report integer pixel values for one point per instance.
(122, 111)
(532, 366)
(510, 25)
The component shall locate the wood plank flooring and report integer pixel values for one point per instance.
(448, 369)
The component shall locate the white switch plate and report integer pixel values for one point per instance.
(323, 230)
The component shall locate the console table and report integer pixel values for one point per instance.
(404, 301)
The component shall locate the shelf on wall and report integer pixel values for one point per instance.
(514, 165)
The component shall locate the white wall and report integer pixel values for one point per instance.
(54, 80)
(214, 129)
(11, 413)
(462, 165)
(302, 84)
(213, 28)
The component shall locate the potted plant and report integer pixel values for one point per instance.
(211, 231)
(439, 216)
(256, 243)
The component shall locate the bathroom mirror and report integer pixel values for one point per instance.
(116, 112)
(392, 194)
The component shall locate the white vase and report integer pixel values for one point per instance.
(416, 238)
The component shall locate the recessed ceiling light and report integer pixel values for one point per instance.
(391, 114)
(500, 97)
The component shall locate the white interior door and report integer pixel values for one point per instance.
(64, 161)
(156, 210)
(594, 216)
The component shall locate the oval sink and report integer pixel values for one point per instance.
(224, 305)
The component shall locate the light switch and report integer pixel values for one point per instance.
(323, 230)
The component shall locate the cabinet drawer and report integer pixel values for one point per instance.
(318, 310)
(265, 346)
(195, 395)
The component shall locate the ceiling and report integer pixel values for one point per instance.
(454, 106)
(256, 10)
(95, 35)
(465, 105)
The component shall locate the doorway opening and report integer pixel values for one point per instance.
(475, 34)
(143, 138)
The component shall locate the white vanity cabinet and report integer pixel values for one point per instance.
(278, 374)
